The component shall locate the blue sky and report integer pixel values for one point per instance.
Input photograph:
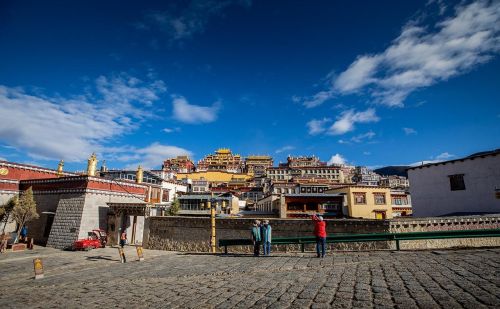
(368, 83)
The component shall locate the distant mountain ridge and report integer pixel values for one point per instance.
(399, 170)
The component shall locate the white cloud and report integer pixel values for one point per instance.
(72, 128)
(347, 120)
(361, 137)
(285, 148)
(180, 22)
(410, 131)
(358, 138)
(337, 159)
(423, 55)
(315, 100)
(359, 74)
(444, 156)
(194, 114)
(367, 153)
(317, 126)
(153, 156)
(171, 130)
(125, 89)
(436, 159)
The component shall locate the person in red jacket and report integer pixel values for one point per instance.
(320, 233)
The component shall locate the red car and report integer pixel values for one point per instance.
(96, 239)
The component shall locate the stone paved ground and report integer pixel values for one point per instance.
(376, 279)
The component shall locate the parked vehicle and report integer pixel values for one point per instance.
(96, 239)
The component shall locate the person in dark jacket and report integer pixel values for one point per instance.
(320, 233)
(123, 238)
(256, 237)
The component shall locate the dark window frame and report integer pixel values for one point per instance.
(457, 182)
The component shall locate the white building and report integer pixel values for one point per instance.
(470, 185)
(173, 188)
(401, 203)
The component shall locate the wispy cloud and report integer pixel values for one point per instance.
(181, 21)
(194, 114)
(315, 100)
(317, 126)
(71, 128)
(410, 131)
(343, 124)
(444, 156)
(152, 156)
(358, 138)
(422, 56)
(435, 159)
(171, 130)
(284, 148)
(362, 137)
(347, 120)
(337, 159)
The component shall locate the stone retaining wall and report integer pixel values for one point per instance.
(405, 225)
(193, 234)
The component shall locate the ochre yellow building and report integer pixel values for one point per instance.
(214, 177)
(366, 202)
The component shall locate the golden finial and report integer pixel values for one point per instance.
(92, 165)
(139, 174)
(60, 168)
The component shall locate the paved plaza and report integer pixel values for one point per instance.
(376, 279)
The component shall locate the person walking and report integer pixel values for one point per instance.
(320, 233)
(3, 242)
(24, 233)
(266, 237)
(123, 238)
(256, 237)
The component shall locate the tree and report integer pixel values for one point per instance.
(174, 208)
(25, 210)
(6, 209)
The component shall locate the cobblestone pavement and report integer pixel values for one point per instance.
(376, 279)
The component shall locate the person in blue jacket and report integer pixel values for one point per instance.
(266, 237)
(24, 233)
(256, 237)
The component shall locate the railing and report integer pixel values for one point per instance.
(342, 238)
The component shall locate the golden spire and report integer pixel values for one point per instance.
(60, 168)
(92, 165)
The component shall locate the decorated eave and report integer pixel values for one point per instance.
(131, 209)
(33, 168)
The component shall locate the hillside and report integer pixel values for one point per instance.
(393, 170)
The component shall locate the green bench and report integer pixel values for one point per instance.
(342, 238)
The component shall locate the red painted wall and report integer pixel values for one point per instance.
(23, 172)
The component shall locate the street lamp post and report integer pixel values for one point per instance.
(212, 205)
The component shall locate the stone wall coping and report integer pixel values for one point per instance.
(290, 220)
(444, 219)
(392, 222)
